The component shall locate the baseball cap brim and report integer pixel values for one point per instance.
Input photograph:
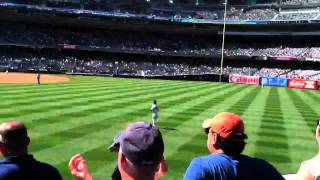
(227, 125)
(115, 146)
(142, 144)
(206, 123)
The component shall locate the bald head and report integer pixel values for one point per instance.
(14, 136)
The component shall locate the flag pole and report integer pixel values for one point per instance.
(223, 39)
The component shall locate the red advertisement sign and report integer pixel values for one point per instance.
(244, 79)
(301, 83)
(319, 84)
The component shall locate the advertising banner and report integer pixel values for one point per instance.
(318, 84)
(244, 79)
(301, 83)
(312, 59)
(268, 81)
(68, 46)
(283, 58)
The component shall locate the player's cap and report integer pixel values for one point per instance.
(227, 125)
(142, 144)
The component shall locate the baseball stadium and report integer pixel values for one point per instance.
(78, 72)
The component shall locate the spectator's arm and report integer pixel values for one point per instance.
(78, 168)
(304, 172)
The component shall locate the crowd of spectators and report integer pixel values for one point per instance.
(232, 14)
(297, 15)
(299, 2)
(303, 74)
(246, 71)
(146, 42)
(94, 4)
(48, 61)
(106, 39)
(254, 14)
(101, 66)
(173, 12)
(271, 72)
(300, 53)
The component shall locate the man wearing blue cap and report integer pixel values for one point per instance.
(140, 155)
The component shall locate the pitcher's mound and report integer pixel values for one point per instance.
(27, 78)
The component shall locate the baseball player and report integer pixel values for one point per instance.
(155, 110)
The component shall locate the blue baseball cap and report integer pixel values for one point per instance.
(142, 144)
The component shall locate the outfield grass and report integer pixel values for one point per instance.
(83, 116)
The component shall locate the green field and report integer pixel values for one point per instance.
(84, 115)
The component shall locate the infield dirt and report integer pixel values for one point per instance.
(29, 78)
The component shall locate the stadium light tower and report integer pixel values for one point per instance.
(223, 38)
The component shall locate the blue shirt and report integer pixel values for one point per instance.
(222, 167)
(212, 167)
(254, 168)
(26, 167)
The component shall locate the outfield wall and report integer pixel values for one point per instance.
(202, 77)
(238, 79)
(275, 81)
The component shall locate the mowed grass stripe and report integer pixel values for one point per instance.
(43, 88)
(88, 88)
(73, 87)
(308, 114)
(27, 88)
(196, 146)
(96, 104)
(314, 95)
(39, 96)
(123, 105)
(252, 118)
(97, 162)
(76, 82)
(196, 139)
(242, 105)
(50, 109)
(272, 133)
(84, 93)
(95, 139)
(194, 110)
(294, 123)
(295, 120)
(298, 134)
(311, 99)
(100, 125)
(199, 104)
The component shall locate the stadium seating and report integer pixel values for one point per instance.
(51, 61)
